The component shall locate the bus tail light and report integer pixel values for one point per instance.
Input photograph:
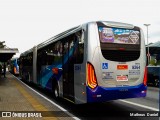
(91, 76)
(145, 77)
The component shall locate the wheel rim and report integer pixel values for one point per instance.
(56, 92)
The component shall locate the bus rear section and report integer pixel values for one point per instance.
(116, 67)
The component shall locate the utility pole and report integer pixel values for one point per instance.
(148, 54)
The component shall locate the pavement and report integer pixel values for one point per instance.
(19, 102)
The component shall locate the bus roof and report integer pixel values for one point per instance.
(52, 39)
(116, 24)
(75, 29)
(57, 37)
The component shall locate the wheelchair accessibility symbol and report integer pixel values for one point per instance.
(104, 65)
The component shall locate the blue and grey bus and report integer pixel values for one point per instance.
(14, 66)
(94, 62)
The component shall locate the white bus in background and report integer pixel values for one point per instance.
(94, 62)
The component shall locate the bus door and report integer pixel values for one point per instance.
(68, 69)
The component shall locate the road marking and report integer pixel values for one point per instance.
(61, 108)
(139, 105)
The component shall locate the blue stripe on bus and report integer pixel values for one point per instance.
(48, 71)
(50, 74)
(102, 94)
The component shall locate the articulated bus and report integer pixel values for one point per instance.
(94, 62)
(14, 66)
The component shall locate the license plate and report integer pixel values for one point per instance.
(122, 78)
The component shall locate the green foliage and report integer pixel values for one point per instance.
(152, 62)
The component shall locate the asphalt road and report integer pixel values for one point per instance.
(151, 100)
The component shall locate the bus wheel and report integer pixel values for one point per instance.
(56, 91)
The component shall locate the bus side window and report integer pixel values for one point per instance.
(57, 52)
(79, 52)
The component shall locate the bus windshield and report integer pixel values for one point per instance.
(119, 35)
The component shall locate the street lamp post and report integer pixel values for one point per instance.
(148, 55)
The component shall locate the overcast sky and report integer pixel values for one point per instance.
(26, 23)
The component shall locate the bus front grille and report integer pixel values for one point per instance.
(120, 56)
